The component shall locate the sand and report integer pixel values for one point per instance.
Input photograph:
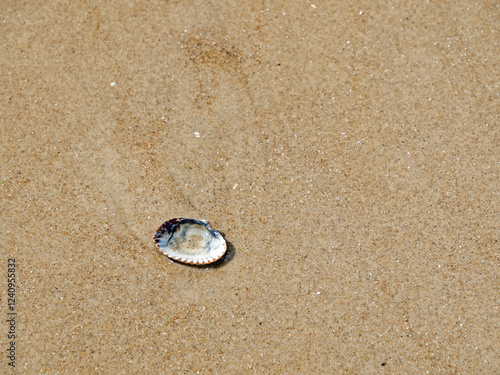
(349, 152)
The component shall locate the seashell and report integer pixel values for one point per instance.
(190, 241)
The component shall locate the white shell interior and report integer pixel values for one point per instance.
(192, 242)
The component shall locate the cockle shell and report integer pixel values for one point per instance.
(190, 241)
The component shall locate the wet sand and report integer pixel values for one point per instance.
(348, 152)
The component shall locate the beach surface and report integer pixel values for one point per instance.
(348, 152)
